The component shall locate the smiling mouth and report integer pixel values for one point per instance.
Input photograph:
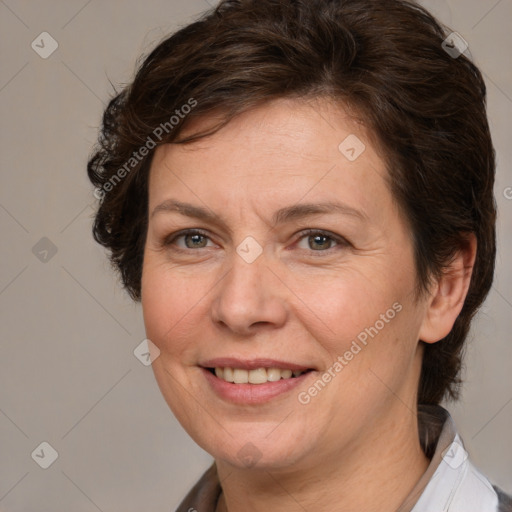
(256, 376)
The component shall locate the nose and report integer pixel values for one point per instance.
(249, 298)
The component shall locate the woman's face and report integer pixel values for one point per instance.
(274, 276)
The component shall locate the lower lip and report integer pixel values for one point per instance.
(252, 393)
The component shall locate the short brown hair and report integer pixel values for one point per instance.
(383, 59)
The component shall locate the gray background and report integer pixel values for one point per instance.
(68, 373)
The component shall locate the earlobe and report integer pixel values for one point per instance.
(448, 294)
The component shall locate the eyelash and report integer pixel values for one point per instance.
(340, 241)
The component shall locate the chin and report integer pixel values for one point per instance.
(255, 448)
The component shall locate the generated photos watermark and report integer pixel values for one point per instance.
(151, 143)
(305, 397)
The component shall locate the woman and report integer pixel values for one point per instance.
(301, 195)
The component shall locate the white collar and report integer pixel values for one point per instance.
(456, 485)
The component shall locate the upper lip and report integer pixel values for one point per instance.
(251, 364)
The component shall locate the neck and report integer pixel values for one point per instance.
(375, 474)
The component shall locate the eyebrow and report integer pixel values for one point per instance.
(281, 216)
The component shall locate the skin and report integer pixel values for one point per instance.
(303, 300)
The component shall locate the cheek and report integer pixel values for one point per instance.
(168, 304)
(349, 307)
(368, 330)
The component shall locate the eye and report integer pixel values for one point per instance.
(314, 240)
(192, 238)
(320, 241)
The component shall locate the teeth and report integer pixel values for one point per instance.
(286, 374)
(273, 374)
(240, 376)
(257, 376)
(228, 374)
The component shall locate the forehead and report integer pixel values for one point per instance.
(282, 151)
(313, 126)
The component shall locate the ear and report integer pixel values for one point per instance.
(448, 295)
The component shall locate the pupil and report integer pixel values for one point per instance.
(316, 239)
(196, 239)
